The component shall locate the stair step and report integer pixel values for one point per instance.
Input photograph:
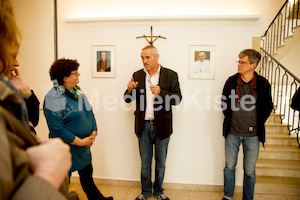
(279, 46)
(276, 128)
(278, 164)
(282, 168)
(281, 140)
(276, 125)
(274, 118)
(282, 152)
(283, 148)
(284, 133)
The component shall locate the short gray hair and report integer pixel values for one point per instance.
(153, 49)
(253, 55)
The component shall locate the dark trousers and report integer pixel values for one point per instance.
(87, 183)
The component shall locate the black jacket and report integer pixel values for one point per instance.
(296, 100)
(264, 104)
(33, 109)
(169, 85)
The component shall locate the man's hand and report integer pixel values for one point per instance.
(155, 89)
(19, 83)
(50, 161)
(131, 85)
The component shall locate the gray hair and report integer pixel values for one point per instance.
(153, 49)
(254, 56)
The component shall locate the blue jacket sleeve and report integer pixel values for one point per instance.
(94, 123)
(56, 126)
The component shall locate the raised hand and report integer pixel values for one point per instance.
(155, 89)
(19, 83)
(131, 85)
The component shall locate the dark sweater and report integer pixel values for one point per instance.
(264, 104)
(244, 118)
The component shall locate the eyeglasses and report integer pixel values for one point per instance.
(242, 62)
(75, 73)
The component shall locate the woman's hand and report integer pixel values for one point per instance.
(87, 141)
(20, 84)
(93, 134)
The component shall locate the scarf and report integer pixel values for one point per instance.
(23, 108)
(74, 94)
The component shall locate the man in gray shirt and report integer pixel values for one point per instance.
(246, 104)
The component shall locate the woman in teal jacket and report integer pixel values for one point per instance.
(70, 117)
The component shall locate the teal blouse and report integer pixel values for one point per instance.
(66, 118)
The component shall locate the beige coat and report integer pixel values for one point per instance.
(16, 178)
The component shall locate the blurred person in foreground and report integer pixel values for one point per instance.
(32, 102)
(247, 104)
(70, 117)
(29, 169)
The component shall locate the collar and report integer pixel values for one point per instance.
(158, 70)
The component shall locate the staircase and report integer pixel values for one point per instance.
(280, 157)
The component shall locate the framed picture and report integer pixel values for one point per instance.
(103, 61)
(202, 61)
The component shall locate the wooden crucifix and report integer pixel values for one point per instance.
(151, 41)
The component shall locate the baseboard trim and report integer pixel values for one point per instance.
(171, 186)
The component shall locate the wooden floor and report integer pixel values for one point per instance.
(266, 188)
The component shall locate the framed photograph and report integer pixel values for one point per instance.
(103, 61)
(202, 61)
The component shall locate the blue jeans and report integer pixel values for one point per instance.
(250, 150)
(146, 142)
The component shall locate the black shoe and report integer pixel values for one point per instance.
(108, 198)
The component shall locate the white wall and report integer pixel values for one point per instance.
(291, 58)
(287, 54)
(274, 7)
(196, 150)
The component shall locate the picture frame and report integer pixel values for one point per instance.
(106, 68)
(202, 61)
